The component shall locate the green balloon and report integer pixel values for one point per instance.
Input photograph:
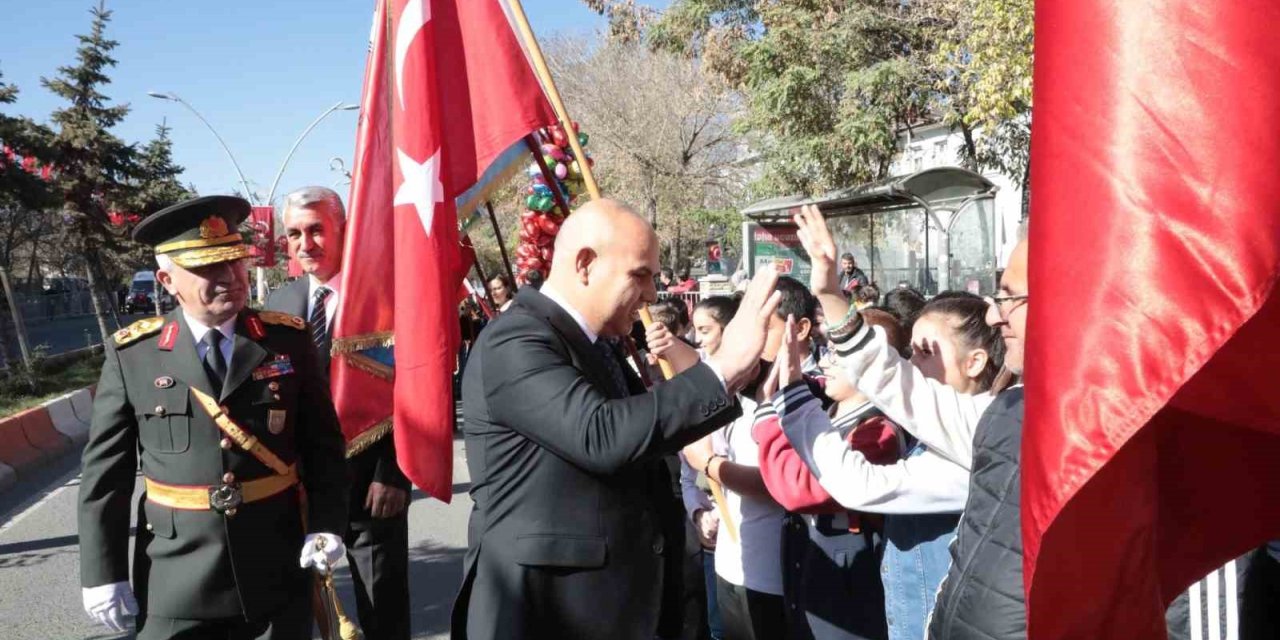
(583, 138)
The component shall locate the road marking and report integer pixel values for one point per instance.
(67, 480)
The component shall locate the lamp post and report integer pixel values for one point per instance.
(340, 106)
(173, 97)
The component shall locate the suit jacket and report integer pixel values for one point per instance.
(565, 538)
(204, 564)
(376, 463)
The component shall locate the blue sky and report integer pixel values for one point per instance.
(260, 71)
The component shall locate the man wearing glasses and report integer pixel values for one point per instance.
(982, 595)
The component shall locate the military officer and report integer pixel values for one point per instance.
(241, 454)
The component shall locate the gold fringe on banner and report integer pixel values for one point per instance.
(352, 344)
(370, 366)
(365, 440)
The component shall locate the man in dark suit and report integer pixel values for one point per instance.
(377, 536)
(564, 446)
(226, 413)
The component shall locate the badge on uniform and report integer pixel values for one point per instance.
(275, 420)
(278, 367)
(164, 382)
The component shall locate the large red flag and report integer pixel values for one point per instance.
(454, 92)
(1153, 419)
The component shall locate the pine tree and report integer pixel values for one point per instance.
(96, 169)
(156, 187)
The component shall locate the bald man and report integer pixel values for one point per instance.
(564, 443)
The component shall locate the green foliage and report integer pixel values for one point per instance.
(829, 84)
(94, 165)
(22, 389)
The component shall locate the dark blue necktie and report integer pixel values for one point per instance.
(610, 356)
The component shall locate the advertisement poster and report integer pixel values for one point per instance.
(780, 247)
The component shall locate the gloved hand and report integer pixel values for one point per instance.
(109, 604)
(322, 551)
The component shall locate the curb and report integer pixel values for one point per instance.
(36, 436)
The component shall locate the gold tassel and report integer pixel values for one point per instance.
(351, 344)
(333, 621)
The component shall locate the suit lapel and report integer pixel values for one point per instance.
(246, 355)
(564, 324)
(184, 361)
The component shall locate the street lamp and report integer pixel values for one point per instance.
(173, 97)
(340, 106)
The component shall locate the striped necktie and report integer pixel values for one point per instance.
(319, 320)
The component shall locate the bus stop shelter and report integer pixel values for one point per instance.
(933, 230)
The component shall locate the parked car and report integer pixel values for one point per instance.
(141, 296)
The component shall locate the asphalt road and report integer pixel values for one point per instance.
(39, 564)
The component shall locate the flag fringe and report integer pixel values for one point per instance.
(370, 366)
(365, 440)
(352, 344)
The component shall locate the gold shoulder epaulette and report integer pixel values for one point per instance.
(285, 319)
(139, 329)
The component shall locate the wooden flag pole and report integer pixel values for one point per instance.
(549, 85)
(557, 103)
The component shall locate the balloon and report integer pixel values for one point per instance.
(574, 169)
(562, 171)
(583, 138)
(533, 171)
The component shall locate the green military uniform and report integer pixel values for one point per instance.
(236, 556)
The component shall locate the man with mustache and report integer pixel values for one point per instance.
(377, 536)
(224, 410)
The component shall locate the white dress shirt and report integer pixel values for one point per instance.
(555, 297)
(199, 330)
(330, 303)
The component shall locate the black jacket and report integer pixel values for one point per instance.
(982, 595)
(565, 538)
(376, 463)
(203, 564)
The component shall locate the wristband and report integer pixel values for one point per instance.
(706, 469)
(843, 328)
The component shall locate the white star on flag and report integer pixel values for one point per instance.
(421, 187)
(416, 15)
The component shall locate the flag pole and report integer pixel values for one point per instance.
(553, 94)
(502, 247)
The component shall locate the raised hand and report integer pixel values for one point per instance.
(824, 278)
(744, 336)
(817, 241)
(789, 357)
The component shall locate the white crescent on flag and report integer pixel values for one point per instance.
(416, 15)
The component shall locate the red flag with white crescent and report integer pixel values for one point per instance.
(454, 62)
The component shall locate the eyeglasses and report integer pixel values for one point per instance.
(1006, 304)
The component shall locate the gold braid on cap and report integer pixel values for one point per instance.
(199, 243)
(214, 255)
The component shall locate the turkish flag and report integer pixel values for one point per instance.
(1152, 415)
(447, 92)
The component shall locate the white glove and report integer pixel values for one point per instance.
(322, 551)
(109, 604)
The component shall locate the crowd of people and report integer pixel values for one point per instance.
(800, 460)
(869, 487)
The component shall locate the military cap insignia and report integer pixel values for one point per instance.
(139, 329)
(213, 227)
(283, 319)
